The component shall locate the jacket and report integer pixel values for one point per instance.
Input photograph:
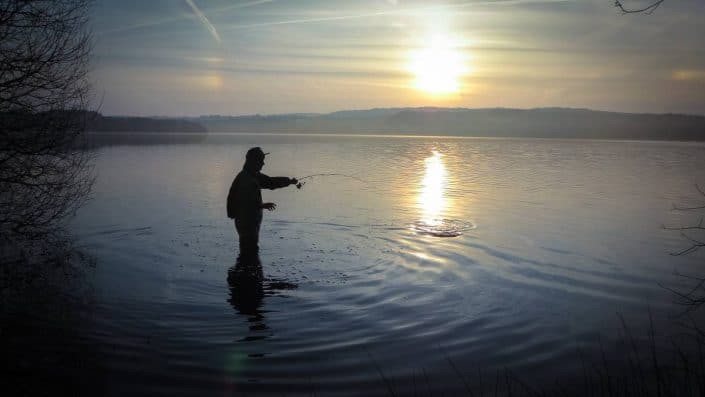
(245, 195)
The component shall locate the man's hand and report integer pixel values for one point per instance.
(269, 206)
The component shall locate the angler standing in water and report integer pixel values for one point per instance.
(245, 200)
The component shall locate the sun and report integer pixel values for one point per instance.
(438, 67)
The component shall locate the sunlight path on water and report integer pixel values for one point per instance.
(434, 202)
(432, 198)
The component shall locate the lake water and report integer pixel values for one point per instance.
(551, 241)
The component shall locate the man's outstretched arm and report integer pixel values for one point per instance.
(275, 182)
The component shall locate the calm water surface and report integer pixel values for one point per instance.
(552, 240)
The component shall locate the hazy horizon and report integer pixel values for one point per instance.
(187, 116)
(179, 58)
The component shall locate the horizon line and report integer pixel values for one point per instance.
(403, 108)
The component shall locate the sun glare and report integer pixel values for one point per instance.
(212, 81)
(438, 67)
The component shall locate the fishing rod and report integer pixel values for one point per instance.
(300, 184)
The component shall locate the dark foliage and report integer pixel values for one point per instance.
(100, 123)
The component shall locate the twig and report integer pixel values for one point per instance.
(387, 383)
(702, 192)
(699, 226)
(647, 10)
(652, 337)
(695, 245)
(460, 375)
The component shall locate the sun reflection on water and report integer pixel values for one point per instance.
(432, 200)
(434, 204)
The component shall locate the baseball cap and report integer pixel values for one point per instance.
(255, 153)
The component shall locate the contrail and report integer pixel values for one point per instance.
(180, 17)
(204, 20)
(396, 11)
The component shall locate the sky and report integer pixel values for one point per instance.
(236, 57)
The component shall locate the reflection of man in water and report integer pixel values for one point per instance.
(246, 288)
(245, 200)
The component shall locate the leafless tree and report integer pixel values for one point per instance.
(45, 171)
(648, 8)
(694, 234)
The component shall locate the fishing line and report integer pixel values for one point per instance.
(301, 184)
(437, 228)
(302, 181)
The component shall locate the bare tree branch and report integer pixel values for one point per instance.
(695, 242)
(700, 207)
(649, 9)
(695, 296)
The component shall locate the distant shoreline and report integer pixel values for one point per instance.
(192, 137)
(550, 123)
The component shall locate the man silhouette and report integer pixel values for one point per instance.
(245, 200)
